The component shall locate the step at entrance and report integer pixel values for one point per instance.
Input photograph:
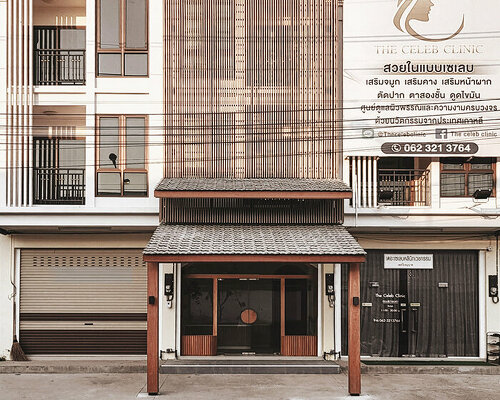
(249, 367)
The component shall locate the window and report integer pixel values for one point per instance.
(122, 38)
(59, 55)
(461, 177)
(121, 156)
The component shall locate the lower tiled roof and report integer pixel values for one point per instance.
(252, 240)
(265, 185)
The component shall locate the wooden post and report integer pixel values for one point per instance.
(354, 333)
(153, 351)
(282, 315)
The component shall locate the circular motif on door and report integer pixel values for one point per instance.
(248, 316)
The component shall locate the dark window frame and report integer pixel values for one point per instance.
(121, 156)
(466, 171)
(122, 50)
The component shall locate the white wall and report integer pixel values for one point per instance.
(168, 316)
(327, 312)
(6, 290)
(3, 99)
(74, 16)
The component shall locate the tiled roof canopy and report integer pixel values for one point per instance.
(262, 185)
(318, 240)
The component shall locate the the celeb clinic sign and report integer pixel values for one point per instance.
(422, 77)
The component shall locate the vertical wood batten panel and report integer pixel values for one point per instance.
(299, 345)
(250, 92)
(199, 345)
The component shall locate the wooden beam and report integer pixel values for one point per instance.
(153, 351)
(282, 315)
(214, 307)
(354, 331)
(253, 258)
(246, 276)
(240, 194)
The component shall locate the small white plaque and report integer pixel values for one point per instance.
(408, 261)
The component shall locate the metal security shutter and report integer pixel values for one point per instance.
(83, 301)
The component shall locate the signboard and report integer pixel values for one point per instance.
(408, 261)
(421, 78)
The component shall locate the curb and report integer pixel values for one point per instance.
(70, 368)
(429, 370)
(11, 367)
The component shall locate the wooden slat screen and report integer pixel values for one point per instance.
(249, 88)
(251, 211)
(199, 345)
(299, 345)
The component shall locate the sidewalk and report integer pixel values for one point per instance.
(231, 387)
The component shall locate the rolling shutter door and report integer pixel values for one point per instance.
(83, 301)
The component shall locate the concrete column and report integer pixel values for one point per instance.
(6, 289)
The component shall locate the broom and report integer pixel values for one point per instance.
(16, 351)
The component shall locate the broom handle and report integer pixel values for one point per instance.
(14, 313)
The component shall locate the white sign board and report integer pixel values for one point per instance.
(408, 261)
(422, 78)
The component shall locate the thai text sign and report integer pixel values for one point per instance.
(421, 72)
(408, 261)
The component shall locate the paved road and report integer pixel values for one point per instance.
(222, 387)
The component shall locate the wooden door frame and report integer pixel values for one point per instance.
(216, 277)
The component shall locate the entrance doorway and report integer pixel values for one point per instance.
(271, 311)
(432, 312)
(248, 316)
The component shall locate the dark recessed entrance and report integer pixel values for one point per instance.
(228, 310)
(249, 316)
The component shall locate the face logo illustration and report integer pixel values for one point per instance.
(418, 10)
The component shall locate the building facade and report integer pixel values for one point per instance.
(129, 124)
(421, 154)
(105, 100)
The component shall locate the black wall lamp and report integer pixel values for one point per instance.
(330, 289)
(482, 194)
(385, 196)
(169, 289)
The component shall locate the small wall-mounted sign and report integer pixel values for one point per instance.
(443, 284)
(414, 304)
(367, 304)
(408, 261)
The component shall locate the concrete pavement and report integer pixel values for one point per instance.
(222, 387)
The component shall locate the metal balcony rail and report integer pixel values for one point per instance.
(404, 187)
(59, 67)
(59, 185)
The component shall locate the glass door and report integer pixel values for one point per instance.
(248, 316)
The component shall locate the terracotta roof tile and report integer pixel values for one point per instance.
(226, 184)
(253, 240)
